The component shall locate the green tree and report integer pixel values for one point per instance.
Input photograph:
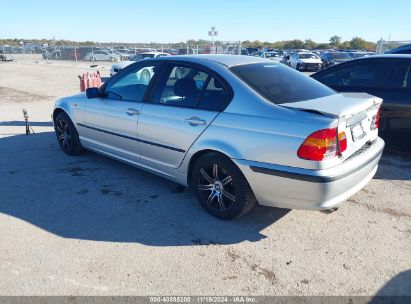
(257, 44)
(345, 45)
(335, 40)
(309, 44)
(294, 44)
(322, 46)
(358, 43)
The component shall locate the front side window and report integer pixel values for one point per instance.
(132, 84)
(364, 74)
(192, 88)
(280, 84)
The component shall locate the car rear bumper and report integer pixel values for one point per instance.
(297, 188)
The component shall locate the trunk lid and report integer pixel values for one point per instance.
(355, 114)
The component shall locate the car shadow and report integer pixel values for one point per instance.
(396, 290)
(91, 197)
(21, 123)
(394, 166)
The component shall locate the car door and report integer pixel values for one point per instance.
(396, 93)
(355, 76)
(97, 55)
(293, 61)
(184, 103)
(110, 121)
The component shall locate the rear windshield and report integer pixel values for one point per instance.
(341, 56)
(279, 83)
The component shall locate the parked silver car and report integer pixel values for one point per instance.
(102, 55)
(237, 129)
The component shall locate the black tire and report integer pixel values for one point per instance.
(227, 195)
(67, 135)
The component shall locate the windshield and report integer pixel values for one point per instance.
(270, 55)
(341, 56)
(307, 56)
(279, 83)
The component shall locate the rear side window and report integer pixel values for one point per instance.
(191, 87)
(362, 74)
(281, 84)
(400, 78)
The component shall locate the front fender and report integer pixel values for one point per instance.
(73, 106)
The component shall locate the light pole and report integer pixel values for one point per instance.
(212, 33)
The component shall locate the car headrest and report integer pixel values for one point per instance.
(185, 87)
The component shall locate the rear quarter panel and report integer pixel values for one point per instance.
(273, 140)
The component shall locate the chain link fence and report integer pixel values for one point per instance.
(105, 52)
(384, 46)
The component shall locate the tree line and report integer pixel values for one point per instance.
(335, 41)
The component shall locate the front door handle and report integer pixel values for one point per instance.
(195, 121)
(132, 111)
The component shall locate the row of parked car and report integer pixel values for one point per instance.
(304, 60)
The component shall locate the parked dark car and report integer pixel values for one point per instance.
(404, 49)
(333, 58)
(384, 76)
(252, 50)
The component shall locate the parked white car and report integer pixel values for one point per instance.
(275, 56)
(102, 55)
(115, 68)
(305, 61)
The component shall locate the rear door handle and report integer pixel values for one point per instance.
(195, 121)
(132, 111)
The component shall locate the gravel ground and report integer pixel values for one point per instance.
(89, 225)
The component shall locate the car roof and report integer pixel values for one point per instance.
(227, 60)
(391, 56)
(400, 48)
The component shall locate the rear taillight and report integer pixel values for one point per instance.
(342, 141)
(319, 145)
(377, 119)
(322, 145)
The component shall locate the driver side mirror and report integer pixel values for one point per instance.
(92, 93)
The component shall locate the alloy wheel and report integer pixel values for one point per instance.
(63, 134)
(216, 187)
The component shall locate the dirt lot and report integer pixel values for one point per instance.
(91, 226)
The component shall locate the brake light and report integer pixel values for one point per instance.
(319, 145)
(342, 141)
(377, 119)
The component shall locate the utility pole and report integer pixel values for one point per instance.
(212, 33)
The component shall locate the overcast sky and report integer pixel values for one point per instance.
(179, 20)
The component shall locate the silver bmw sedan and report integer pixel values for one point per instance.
(239, 130)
